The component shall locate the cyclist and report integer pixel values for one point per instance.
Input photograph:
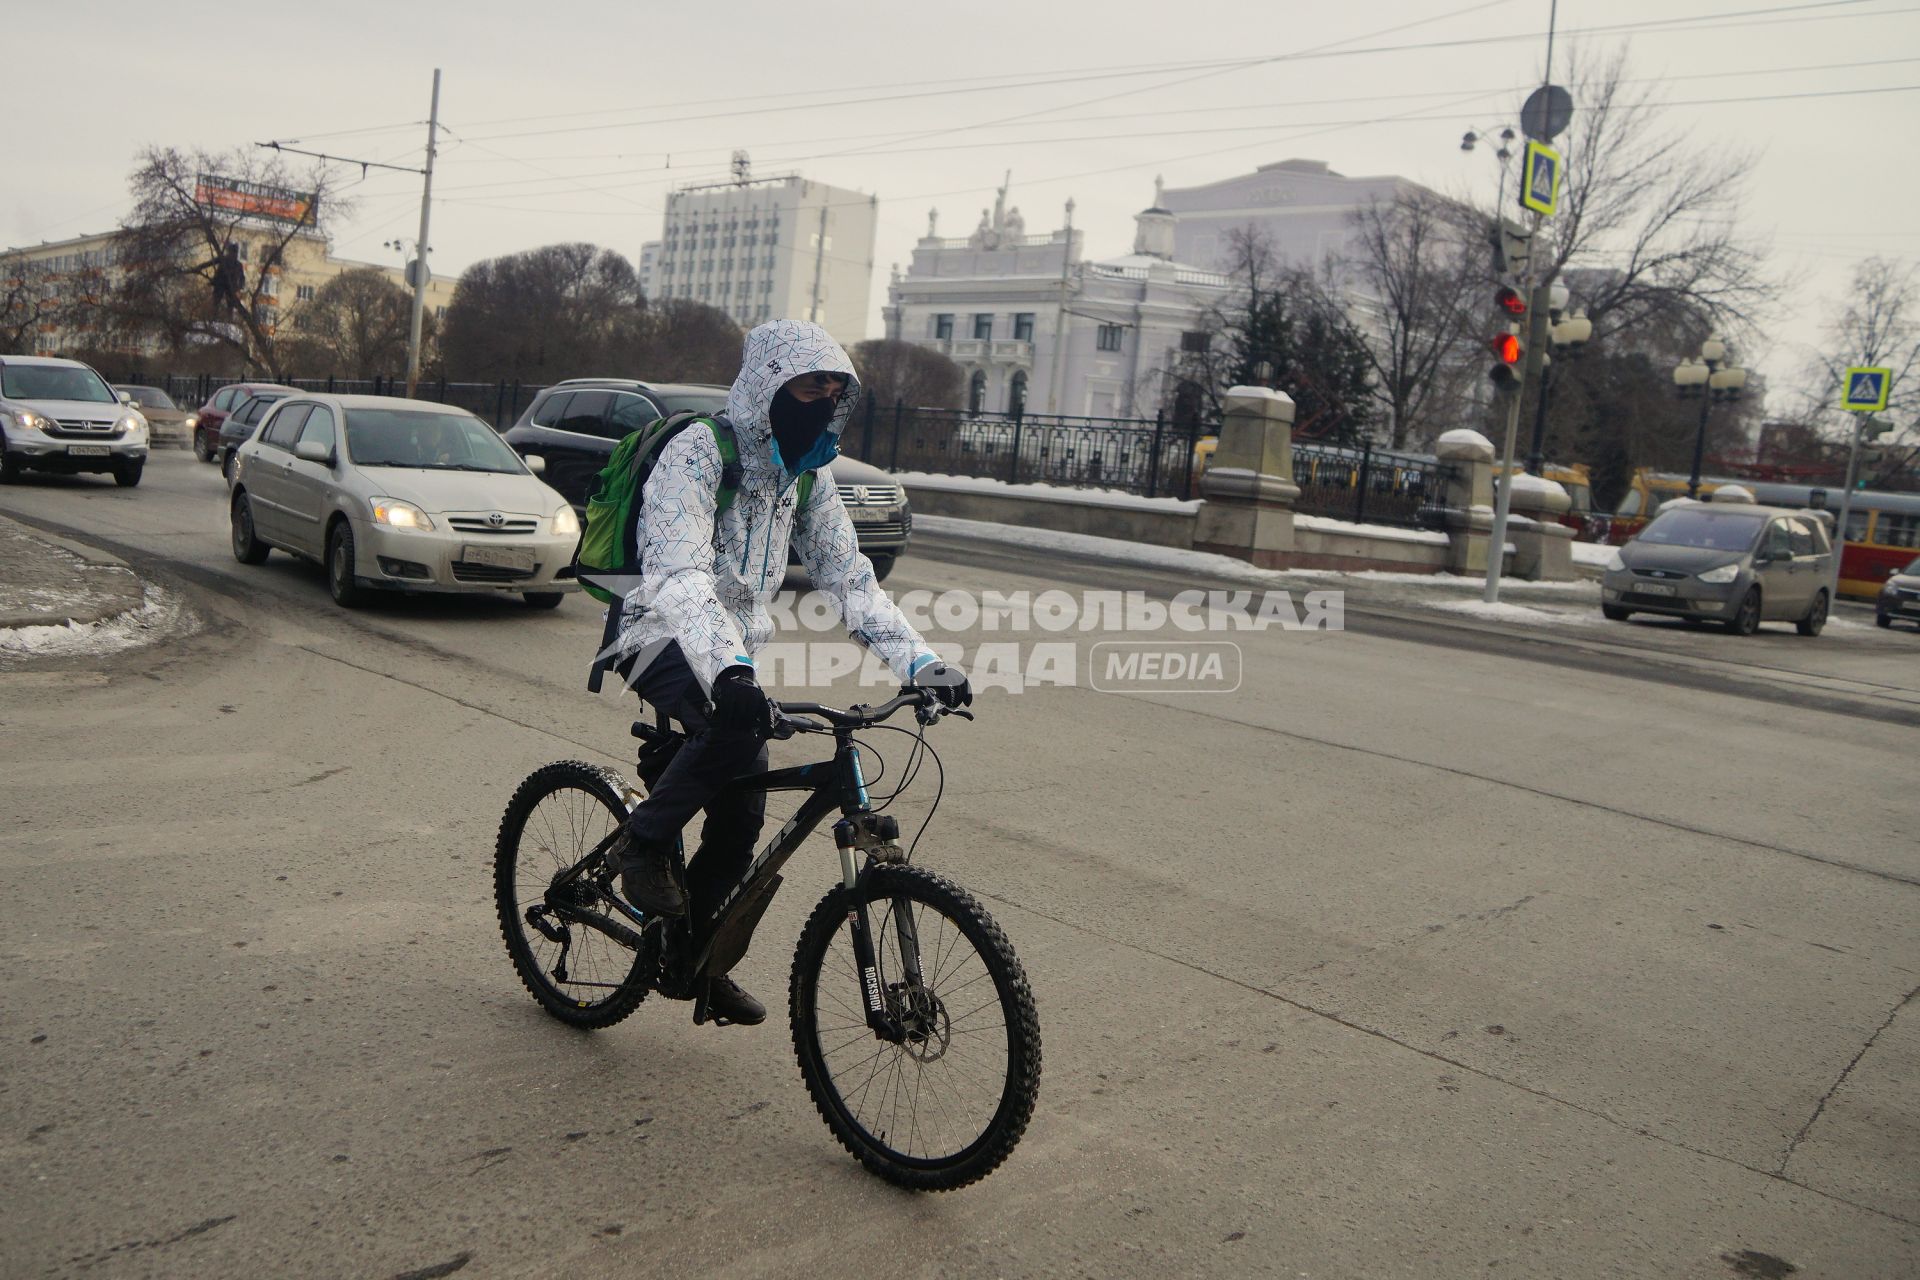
(690, 629)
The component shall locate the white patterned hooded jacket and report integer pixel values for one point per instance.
(705, 582)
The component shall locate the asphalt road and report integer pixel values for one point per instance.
(1425, 952)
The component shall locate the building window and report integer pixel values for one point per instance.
(982, 328)
(303, 293)
(943, 326)
(1023, 327)
(1108, 337)
(1017, 391)
(977, 392)
(1195, 341)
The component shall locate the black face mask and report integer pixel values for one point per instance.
(797, 424)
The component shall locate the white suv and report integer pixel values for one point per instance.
(59, 415)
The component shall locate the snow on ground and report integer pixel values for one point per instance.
(1204, 563)
(1594, 553)
(161, 615)
(1386, 532)
(1505, 611)
(1050, 492)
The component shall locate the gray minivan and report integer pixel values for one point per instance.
(1730, 562)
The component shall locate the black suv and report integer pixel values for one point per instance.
(575, 425)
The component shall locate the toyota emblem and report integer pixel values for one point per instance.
(495, 519)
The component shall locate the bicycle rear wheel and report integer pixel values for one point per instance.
(556, 817)
(944, 1105)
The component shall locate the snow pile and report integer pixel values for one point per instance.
(1050, 492)
(1593, 553)
(161, 615)
(1502, 611)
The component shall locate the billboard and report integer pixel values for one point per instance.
(255, 199)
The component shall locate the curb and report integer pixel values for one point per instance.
(92, 557)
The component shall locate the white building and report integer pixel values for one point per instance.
(1038, 329)
(649, 266)
(1304, 207)
(765, 248)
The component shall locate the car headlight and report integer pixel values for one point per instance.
(1616, 561)
(27, 420)
(396, 514)
(132, 422)
(193, 420)
(1722, 576)
(565, 522)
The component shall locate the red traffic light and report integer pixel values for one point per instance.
(1508, 299)
(1506, 348)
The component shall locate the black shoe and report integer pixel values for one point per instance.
(646, 878)
(728, 1003)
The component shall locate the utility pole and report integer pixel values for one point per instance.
(1503, 502)
(1060, 322)
(819, 260)
(420, 271)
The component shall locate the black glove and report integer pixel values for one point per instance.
(946, 683)
(739, 704)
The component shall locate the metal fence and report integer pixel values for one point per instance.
(1147, 456)
(497, 402)
(1144, 456)
(1368, 485)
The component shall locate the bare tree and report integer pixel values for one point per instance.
(1415, 274)
(896, 372)
(357, 325)
(560, 311)
(1647, 230)
(195, 260)
(28, 302)
(1284, 319)
(686, 341)
(1877, 326)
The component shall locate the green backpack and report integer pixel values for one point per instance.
(609, 544)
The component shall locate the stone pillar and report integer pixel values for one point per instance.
(1248, 491)
(1542, 546)
(1468, 459)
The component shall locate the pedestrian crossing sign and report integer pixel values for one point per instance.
(1540, 184)
(1866, 388)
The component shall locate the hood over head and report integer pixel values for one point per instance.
(773, 354)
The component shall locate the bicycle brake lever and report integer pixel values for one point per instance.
(962, 712)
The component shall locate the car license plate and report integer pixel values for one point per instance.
(865, 516)
(88, 450)
(520, 558)
(1657, 589)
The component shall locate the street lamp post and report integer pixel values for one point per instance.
(1569, 334)
(1710, 376)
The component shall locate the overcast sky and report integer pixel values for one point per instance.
(569, 120)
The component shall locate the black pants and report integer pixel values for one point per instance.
(697, 779)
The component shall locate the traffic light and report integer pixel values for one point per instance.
(1509, 353)
(1510, 300)
(1512, 251)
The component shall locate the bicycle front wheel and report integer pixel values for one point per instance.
(941, 1102)
(556, 817)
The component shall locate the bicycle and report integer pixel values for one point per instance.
(882, 1011)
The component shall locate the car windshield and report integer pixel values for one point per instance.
(428, 441)
(1711, 530)
(1912, 570)
(699, 402)
(54, 382)
(150, 397)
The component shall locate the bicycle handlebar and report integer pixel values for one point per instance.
(927, 707)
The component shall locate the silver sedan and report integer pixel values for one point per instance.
(399, 494)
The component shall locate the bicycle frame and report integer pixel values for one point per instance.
(836, 783)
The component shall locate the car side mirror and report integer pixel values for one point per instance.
(313, 451)
(535, 463)
(126, 398)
